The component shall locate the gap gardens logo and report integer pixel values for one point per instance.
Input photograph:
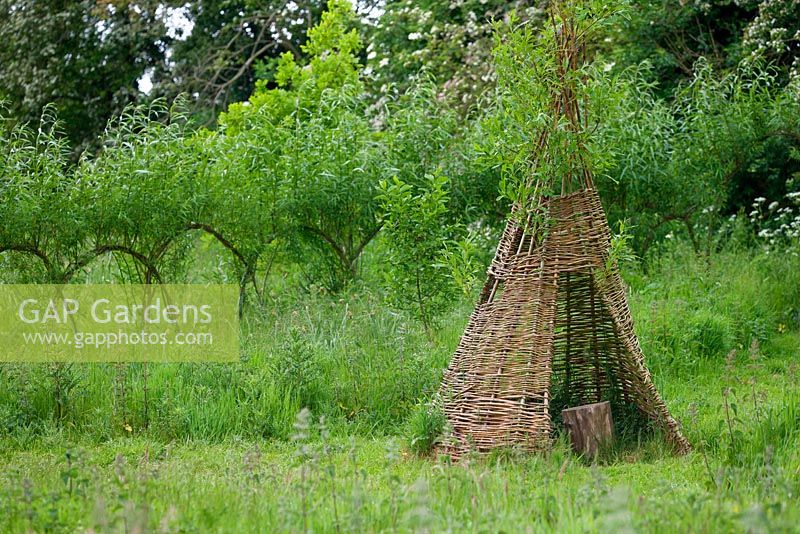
(119, 323)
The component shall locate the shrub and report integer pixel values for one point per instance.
(425, 428)
(416, 277)
(710, 334)
(297, 372)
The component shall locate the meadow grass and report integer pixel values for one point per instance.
(205, 447)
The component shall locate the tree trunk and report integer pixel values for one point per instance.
(590, 427)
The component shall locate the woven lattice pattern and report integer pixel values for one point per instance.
(552, 329)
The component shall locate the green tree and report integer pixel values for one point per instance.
(232, 44)
(141, 192)
(41, 228)
(723, 141)
(84, 56)
(244, 213)
(423, 269)
(452, 41)
(323, 150)
(671, 35)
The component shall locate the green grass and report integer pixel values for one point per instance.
(186, 448)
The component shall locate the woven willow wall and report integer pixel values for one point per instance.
(552, 329)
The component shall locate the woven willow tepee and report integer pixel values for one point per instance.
(552, 328)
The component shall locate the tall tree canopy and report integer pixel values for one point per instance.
(232, 44)
(672, 35)
(452, 41)
(84, 56)
(88, 56)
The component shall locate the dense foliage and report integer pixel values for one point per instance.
(691, 164)
(88, 56)
(232, 43)
(293, 170)
(350, 169)
(451, 41)
(84, 56)
(290, 180)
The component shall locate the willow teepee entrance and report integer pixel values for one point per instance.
(552, 327)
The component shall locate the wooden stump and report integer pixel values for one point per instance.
(589, 427)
